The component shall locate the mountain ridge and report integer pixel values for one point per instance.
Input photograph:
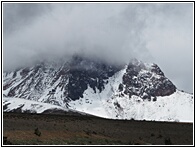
(94, 82)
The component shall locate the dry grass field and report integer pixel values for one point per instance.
(47, 129)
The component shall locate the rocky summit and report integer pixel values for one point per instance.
(94, 86)
(146, 81)
(74, 77)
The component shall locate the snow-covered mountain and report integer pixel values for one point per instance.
(136, 90)
(28, 106)
(23, 105)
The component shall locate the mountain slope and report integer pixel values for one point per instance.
(112, 103)
(29, 106)
(136, 90)
(23, 105)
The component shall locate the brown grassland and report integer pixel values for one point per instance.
(47, 129)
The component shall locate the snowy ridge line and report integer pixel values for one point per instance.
(33, 106)
(167, 108)
(11, 104)
(137, 90)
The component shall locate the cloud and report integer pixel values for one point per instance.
(16, 16)
(102, 30)
(171, 43)
(115, 32)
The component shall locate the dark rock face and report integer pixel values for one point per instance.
(120, 87)
(69, 80)
(146, 82)
(72, 78)
(86, 72)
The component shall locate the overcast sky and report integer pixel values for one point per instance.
(159, 33)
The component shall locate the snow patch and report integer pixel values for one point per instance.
(33, 106)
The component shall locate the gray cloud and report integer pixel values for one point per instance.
(171, 43)
(16, 16)
(112, 31)
(102, 30)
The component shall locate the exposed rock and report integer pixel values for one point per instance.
(141, 82)
(68, 81)
(120, 87)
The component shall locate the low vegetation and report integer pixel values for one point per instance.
(32, 129)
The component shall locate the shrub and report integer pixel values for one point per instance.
(37, 132)
(152, 135)
(168, 141)
(159, 136)
(6, 142)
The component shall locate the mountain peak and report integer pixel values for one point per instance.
(74, 76)
(146, 80)
(84, 84)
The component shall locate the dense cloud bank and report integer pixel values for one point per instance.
(115, 32)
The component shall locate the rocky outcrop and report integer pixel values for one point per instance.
(87, 72)
(60, 84)
(146, 81)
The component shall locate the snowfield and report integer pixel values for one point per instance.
(28, 105)
(46, 87)
(177, 107)
(109, 103)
